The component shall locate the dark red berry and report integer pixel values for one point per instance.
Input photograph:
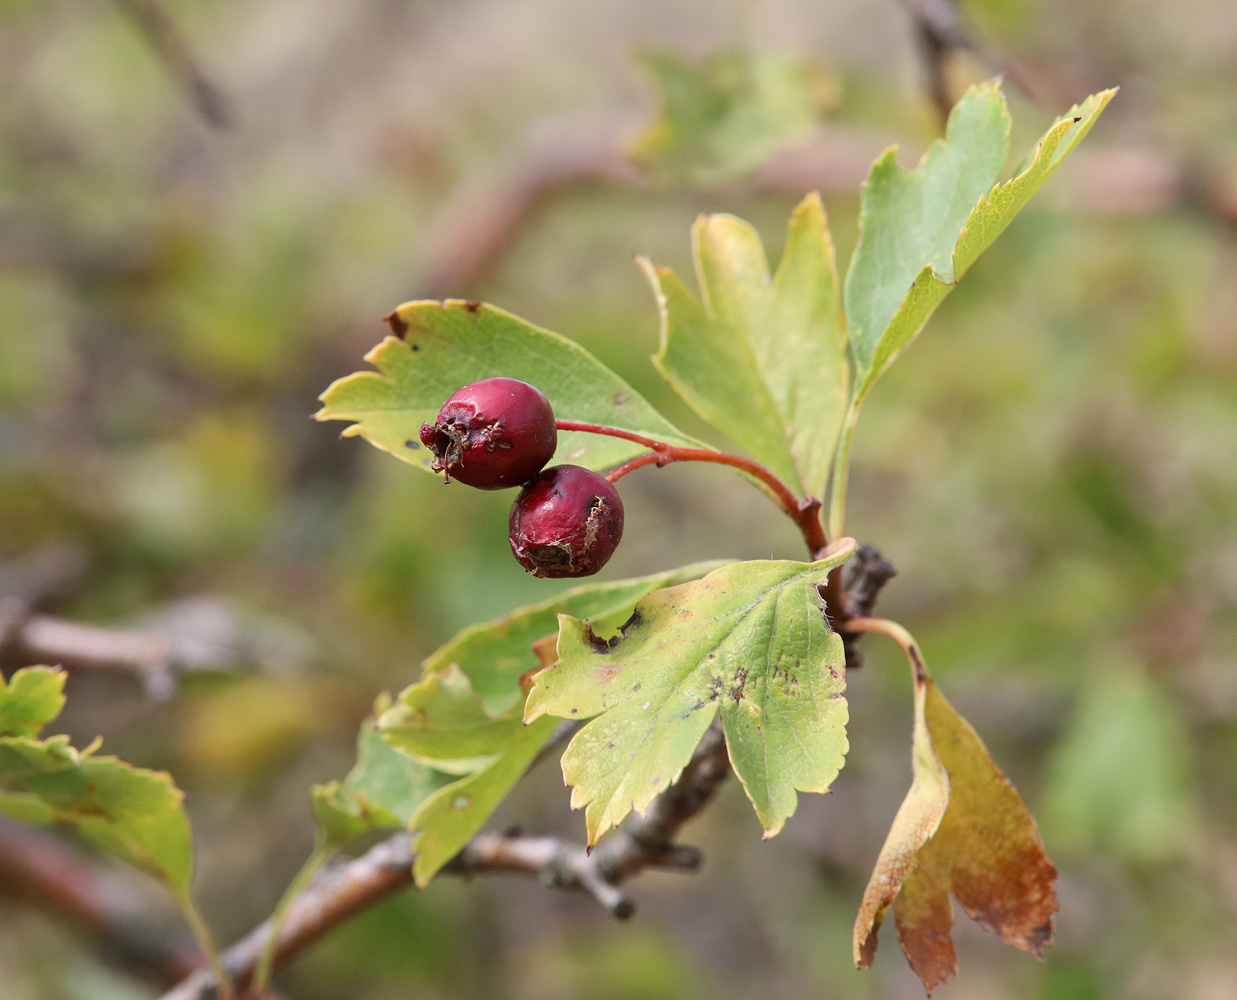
(492, 434)
(566, 522)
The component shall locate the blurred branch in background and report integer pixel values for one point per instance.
(169, 44)
(476, 224)
(344, 890)
(941, 34)
(107, 904)
(34, 638)
(193, 633)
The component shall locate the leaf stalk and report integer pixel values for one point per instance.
(804, 512)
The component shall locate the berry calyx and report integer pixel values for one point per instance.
(566, 522)
(492, 434)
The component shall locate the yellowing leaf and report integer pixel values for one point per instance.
(444, 345)
(985, 851)
(464, 717)
(749, 640)
(761, 357)
(917, 819)
(134, 813)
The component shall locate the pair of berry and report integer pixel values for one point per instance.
(500, 432)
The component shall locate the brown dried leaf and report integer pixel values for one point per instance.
(986, 851)
(917, 819)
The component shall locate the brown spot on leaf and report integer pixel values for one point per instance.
(472, 305)
(397, 324)
(740, 684)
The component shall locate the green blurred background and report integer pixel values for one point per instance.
(1053, 467)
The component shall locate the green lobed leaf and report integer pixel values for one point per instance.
(134, 813)
(722, 116)
(30, 699)
(922, 229)
(749, 640)
(441, 721)
(442, 346)
(466, 714)
(449, 818)
(763, 358)
(495, 654)
(382, 790)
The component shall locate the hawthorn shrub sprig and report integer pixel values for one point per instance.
(781, 362)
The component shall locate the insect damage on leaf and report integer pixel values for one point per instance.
(962, 829)
(463, 719)
(753, 646)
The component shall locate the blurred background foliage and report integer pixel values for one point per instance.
(1052, 469)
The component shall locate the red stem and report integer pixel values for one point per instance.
(805, 513)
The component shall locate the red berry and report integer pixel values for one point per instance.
(566, 522)
(492, 434)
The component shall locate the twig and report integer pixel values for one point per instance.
(894, 631)
(34, 638)
(103, 903)
(865, 577)
(478, 221)
(342, 891)
(862, 578)
(192, 633)
(805, 513)
(940, 32)
(169, 42)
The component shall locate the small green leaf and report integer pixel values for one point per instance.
(382, 790)
(445, 345)
(465, 715)
(727, 114)
(749, 639)
(922, 229)
(134, 813)
(30, 700)
(441, 721)
(763, 358)
(450, 817)
(495, 654)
